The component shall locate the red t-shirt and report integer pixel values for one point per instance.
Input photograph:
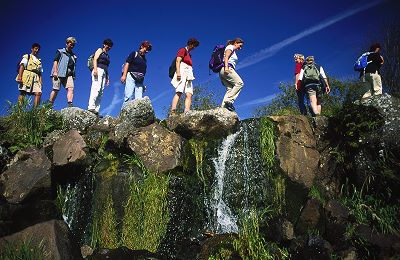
(297, 69)
(185, 55)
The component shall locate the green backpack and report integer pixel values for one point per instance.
(311, 74)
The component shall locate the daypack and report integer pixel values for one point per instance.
(362, 62)
(311, 74)
(172, 67)
(217, 58)
(90, 62)
(19, 63)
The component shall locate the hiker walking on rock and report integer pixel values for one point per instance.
(134, 71)
(314, 81)
(183, 78)
(63, 72)
(29, 76)
(373, 81)
(301, 94)
(228, 75)
(100, 76)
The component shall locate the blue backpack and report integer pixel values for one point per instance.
(217, 58)
(362, 62)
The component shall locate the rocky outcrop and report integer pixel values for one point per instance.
(136, 113)
(296, 149)
(52, 238)
(69, 149)
(159, 149)
(215, 123)
(30, 174)
(77, 118)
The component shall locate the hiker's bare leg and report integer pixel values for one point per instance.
(188, 101)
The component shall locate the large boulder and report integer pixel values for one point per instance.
(77, 118)
(214, 123)
(69, 149)
(52, 237)
(136, 113)
(29, 175)
(296, 149)
(159, 149)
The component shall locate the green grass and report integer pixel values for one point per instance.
(372, 210)
(146, 211)
(26, 126)
(251, 245)
(267, 144)
(24, 250)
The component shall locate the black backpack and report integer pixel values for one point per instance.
(172, 67)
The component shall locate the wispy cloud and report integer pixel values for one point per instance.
(272, 50)
(161, 95)
(116, 100)
(258, 101)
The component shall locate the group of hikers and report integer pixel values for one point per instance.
(63, 73)
(310, 78)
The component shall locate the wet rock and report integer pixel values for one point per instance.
(53, 235)
(296, 149)
(69, 149)
(77, 118)
(159, 148)
(213, 246)
(29, 175)
(124, 253)
(214, 123)
(310, 217)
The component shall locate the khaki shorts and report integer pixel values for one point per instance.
(66, 82)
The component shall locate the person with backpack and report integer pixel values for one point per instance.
(100, 76)
(29, 76)
(183, 77)
(63, 71)
(228, 75)
(314, 81)
(134, 71)
(301, 94)
(371, 75)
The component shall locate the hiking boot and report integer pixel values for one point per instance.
(172, 112)
(229, 106)
(94, 112)
(70, 104)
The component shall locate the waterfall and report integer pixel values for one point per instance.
(224, 220)
(240, 182)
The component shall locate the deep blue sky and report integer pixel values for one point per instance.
(333, 31)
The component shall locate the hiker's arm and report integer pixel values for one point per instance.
(96, 56)
(299, 78)
(40, 80)
(178, 67)
(328, 88)
(382, 60)
(20, 71)
(55, 69)
(125, 71)
(228, 53)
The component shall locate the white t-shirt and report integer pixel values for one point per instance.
(24, 61)
(233, 59)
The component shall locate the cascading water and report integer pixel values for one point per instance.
(240, 181)
(224, 221)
